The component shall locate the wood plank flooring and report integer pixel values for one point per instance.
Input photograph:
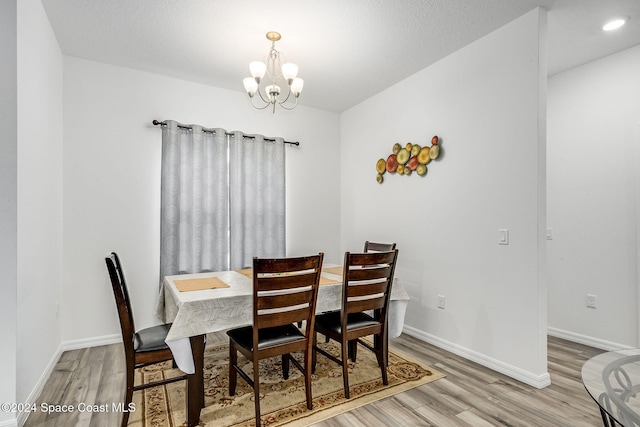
(470, 396)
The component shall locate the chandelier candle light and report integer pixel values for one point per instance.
(274, 70)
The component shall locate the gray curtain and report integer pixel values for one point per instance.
(257, 199)
(222, 200)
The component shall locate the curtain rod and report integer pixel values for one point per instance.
(181, 126)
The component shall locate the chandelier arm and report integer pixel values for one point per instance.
(262, 96)
(289, 108)
(257, 107)
(286, 99)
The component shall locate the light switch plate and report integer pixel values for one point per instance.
(503, 236)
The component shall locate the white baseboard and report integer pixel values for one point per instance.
(91, 342)
(586, 340)
(33, 396)
(64, 346)
(537, 381)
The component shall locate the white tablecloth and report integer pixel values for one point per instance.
(200, 312)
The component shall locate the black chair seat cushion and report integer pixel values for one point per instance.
(331, 321)
(266, 337)
(151, 339)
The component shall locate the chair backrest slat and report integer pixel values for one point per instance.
(371, 258)
(276, 281)
(378, 247)
(366, 304)
(282, 318)
(277, 265)
(285, 300)
(370, 272)
(367, 289)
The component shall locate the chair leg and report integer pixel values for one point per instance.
(307, 378)
(314, 353)
(256, 388)
(345, 369)
(233, 374)
(381, 354)
(353, 350)
(128, 396)
(285, 366)
(382, 341)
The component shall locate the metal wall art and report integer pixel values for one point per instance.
(408, 159)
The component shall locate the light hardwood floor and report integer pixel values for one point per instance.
(470, 395)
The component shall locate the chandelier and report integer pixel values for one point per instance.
(275, 72)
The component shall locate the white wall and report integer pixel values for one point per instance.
(486, 102)
(8, 204)
(593, 198)
(39, 196)
(112, 181)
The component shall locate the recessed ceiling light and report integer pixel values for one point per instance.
(615, 23)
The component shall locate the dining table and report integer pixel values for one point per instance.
(201, 303)
(612, 379)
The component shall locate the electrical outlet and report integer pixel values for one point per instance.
(57, 309)
(591, 300)
(441, 301)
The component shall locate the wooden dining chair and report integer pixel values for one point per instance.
(368, 247)
(372, 247)
(141, 348)
(285, 291)
(367, 281)
(378, 247)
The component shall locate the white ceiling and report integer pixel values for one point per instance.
(347, 51)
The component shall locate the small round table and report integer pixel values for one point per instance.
(612, 379)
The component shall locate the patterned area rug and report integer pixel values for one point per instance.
(282, 402)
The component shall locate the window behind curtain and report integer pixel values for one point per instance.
(222, 199)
